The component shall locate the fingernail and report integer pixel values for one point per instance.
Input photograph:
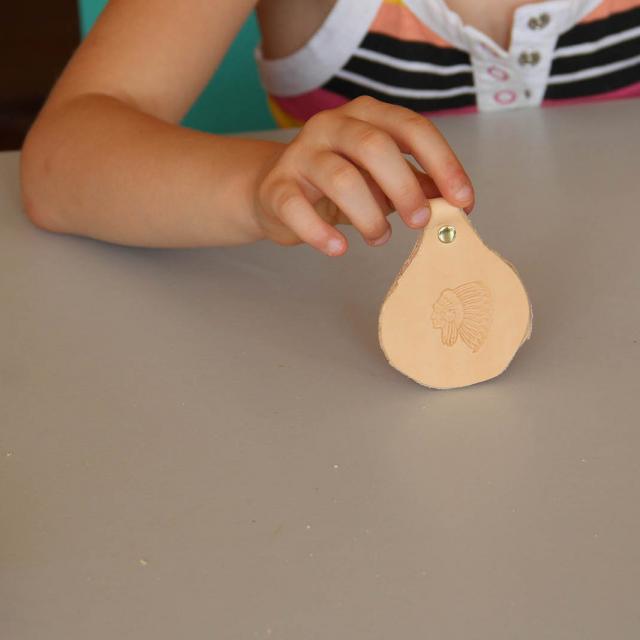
(463, 192)
(335, 247)
(382, 239)
(420, 217)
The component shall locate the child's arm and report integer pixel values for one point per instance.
(106, 158)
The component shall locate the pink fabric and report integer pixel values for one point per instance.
(304, 106)
(308, 104)
(632, 91)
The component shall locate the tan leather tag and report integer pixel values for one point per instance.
(457, 313)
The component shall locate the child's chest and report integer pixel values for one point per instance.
(288, 24)
(492, 17)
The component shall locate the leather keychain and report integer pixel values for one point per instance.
(457, 312)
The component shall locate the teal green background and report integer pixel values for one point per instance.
(234, 99)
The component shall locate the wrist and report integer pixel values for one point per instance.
(265, 161)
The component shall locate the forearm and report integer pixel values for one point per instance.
(98, 167)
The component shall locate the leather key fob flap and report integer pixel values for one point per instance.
(457, 313)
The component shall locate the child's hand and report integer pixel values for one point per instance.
(346, 166)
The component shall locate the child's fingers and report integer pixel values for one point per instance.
(386, 206)
(376, 151)
(427, 145)
(421, 138)
(427, 184)
(343, 183)
(287, 203)
(435, 156)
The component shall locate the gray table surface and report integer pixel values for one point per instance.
(209, 443)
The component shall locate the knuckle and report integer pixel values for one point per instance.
(282, 197)
(343, 175)
(364, 102)
(371, 140)
(414, 120)
(418, 123)
(409, 192)
(292, 150)
(318, 121)
(455, 173)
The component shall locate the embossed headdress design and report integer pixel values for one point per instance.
(463, 312)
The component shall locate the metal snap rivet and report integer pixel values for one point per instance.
(447, 234)
(540, 22)
(532, 58)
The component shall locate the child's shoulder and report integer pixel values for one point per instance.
(287, 25)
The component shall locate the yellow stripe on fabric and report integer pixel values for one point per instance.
(282, 118)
